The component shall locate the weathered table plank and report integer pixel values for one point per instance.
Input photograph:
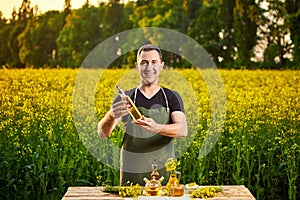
(230, 192)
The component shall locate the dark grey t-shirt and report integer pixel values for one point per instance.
(158, 100)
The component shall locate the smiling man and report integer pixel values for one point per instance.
(150, 138)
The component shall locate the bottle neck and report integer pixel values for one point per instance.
(155, 175)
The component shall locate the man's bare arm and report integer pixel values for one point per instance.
(107, 124)
(178, 128)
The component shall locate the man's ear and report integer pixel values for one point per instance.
(162, 65)
(136, 65)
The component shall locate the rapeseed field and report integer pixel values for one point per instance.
(42, 153)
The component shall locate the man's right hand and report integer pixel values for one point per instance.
(120, 108)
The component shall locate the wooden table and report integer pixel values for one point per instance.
(234, 192)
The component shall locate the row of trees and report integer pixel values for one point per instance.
(235, 33)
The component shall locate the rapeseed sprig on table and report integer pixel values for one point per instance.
(171, 164)
(130, 191)
(206, 192)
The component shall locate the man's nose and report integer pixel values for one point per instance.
(151, 65)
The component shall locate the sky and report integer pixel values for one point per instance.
(6, 6)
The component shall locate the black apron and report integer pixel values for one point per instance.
(140, 149)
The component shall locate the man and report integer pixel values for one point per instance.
(150, 138)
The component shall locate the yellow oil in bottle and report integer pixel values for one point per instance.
(153, 191)
(178, 191)
(133, 111)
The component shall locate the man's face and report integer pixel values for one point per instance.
(149, 66)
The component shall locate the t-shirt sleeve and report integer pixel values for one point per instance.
(176, 103)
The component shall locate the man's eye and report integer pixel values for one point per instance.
(144, 63)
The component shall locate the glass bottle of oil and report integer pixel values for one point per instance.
(153, 186)
(154, 174)
(133, 111)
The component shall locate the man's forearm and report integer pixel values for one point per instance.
(173, 130)
(106, 124)
(179, 127)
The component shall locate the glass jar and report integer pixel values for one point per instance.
(173, 186)
(153, 187)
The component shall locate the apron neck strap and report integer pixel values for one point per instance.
(167, 103)
(162, 89)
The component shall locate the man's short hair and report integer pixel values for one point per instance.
(149, 47)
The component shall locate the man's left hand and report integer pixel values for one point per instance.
(148, 125)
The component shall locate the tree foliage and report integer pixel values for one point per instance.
(246, 14)
(235, 33)
(205, 30)
(81, 33)
(5, 55)
(37, 41)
